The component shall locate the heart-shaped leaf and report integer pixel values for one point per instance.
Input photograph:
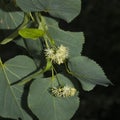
(48, 107)
(10, 100)
(88, 72)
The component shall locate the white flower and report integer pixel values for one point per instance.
(65, 91)
(56, 91)
(68, 91)
(49, 53)
(59, 55)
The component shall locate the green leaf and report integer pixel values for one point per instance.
(73, 40)
(10, 20)
(10, 100)
(15, 33)
(88, 72)
(22, 42)
(45, 105)
(64, 9)
(86, 85)
(31, 33)
(34, 48)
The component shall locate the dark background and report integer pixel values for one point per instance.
(100, 22)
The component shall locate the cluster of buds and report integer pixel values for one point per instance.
(57, 55)
(64, 91)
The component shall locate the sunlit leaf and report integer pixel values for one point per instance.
(31, 33)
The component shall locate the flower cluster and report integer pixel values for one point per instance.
(57, 55)
(65, 91)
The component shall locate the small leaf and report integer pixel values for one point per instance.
(10, 100)
(88, 72)
(31, 33)
(45, 105)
